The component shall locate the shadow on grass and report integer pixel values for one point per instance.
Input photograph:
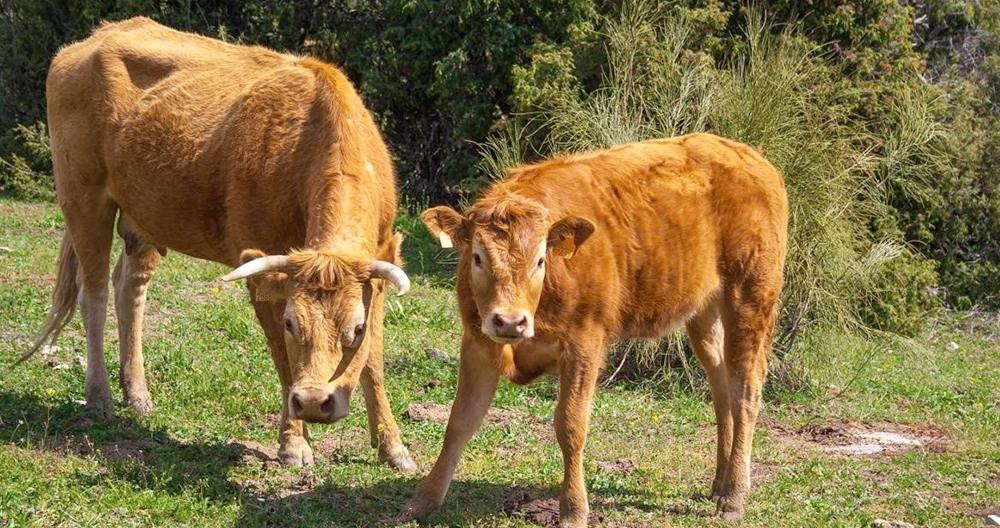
(149, 459)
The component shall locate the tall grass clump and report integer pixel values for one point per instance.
(777, 92)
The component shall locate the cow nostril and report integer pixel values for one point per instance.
(296, 404)
(327, 406)
(522, 323)
(498, 321)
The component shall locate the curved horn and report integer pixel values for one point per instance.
(381, 269)
(257, 265)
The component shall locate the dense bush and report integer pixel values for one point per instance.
(909, 89)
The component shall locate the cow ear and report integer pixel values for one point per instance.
(270, 286)
(566, 235)
(446, 224)
(392, 250)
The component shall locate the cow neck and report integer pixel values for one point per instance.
(338, 220)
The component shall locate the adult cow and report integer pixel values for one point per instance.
(239, 155)
(569, 255)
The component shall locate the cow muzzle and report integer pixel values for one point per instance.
(318, 404)
(509, 327)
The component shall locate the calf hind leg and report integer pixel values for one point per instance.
(135, 268)
(748, 317)
(705, 333)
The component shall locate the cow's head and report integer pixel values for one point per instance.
(504, 244)
(327, 299)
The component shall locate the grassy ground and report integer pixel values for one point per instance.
(202, 458)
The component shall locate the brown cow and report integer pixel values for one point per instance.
(210, 149)
(567, 256)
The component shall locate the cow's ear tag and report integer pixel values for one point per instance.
(445, 240)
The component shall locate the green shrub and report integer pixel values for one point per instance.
(26, 172)
(778, 93)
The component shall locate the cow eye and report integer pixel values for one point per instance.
(541, 262)
(359, 331)
(477, 259)
(288, 325)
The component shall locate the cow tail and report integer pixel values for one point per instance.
(64, 299)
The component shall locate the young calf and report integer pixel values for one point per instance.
(567, 256)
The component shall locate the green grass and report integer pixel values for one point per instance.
(212, 381)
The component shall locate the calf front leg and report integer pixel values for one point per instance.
(577, 382)
(293, 438)
(477, 384)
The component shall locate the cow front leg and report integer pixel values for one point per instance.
(477, 384)
(381, 423)
(293, 438)
(577, 382)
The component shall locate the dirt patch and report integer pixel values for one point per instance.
(543, 512)
(438, 413)
(128, 450)
(248, 452)
(71, 445)
(874, 439)
(622, 466)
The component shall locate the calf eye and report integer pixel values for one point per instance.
(477, 259)
(541, 262)
(359, 331)
(288, 325)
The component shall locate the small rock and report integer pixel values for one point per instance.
(951, 346)
(436, 354)
(61, 366)
(48, 350)
(4, 249)
(993, 520)
(80, 362)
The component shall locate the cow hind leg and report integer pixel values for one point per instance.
(749, 312)
(90, 218)
(705, 332)
(131, 277)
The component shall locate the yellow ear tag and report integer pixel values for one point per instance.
(445, 240)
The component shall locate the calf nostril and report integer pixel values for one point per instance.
(296, 404)
(498, 321)
(522, 323)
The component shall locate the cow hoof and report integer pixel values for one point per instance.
(401, 461)
(415, 509)
(296, 452)
(730, 508)
(142, 404)
(100, 403)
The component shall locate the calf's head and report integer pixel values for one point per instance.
(327, 299)
(505, 244)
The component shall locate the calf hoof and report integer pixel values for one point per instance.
(574, 522)
(401, 461)
(295, 452)
(417, 508)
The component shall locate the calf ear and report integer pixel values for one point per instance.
(446, 224)
(566, 235)
(270, 286)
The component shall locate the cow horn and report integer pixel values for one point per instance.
(257, 265)
(381, 269)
